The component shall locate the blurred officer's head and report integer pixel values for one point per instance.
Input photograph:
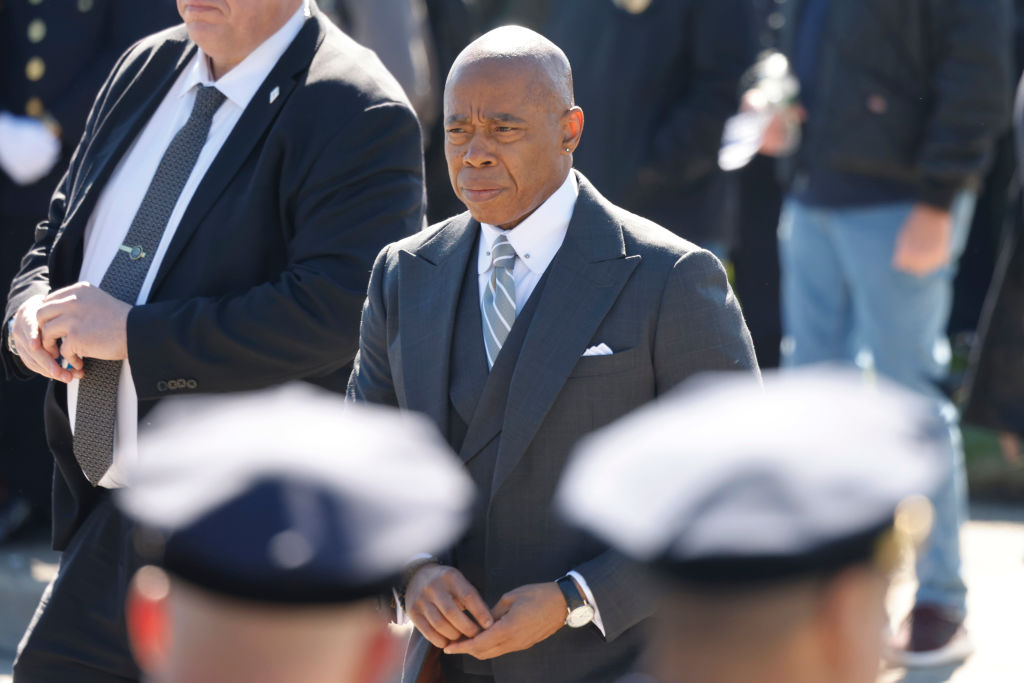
(182, 633)
(770, 519)
(510, 124)
(228, 30)
(274, 523)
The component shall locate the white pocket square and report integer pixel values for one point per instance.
(599, 350)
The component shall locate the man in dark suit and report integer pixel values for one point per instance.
(542, 314)
(212, 234)
(54, 56)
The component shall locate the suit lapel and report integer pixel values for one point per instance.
(586, 277)
(429, 283)
(110, 142)
(244, 138)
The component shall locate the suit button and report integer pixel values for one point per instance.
(35, 2)
(35, 69)
(36, 31)
(192, 384)
(161, 386)
(34, 107)
(85, 5)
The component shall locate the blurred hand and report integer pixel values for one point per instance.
(28, 149)
(925, 241)
(781, 133)
(525, 617)
(437, 599)
(29, 343)
(88, 322)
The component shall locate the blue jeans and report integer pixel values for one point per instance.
(842, 301)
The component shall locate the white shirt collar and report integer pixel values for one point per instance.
(241, 83)
(538, 238)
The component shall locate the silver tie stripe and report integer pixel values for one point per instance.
(97, 391)
(499, 298)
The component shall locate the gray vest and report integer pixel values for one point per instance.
(476, 409)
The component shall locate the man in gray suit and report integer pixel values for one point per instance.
(542, 314)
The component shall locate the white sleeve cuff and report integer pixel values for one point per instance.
(590, 598)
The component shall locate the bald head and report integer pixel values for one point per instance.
(524, 50)
(510, 124)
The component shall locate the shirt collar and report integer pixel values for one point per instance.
(241, 83)
(538, 238)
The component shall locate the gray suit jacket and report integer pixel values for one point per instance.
(662, 304)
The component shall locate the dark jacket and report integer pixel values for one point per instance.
(995, 376)
(265, 277)
(914, 91)
(656, 88)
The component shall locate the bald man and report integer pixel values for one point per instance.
(543, 313)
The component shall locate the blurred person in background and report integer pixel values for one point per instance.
(997, 204)
(53, 59)
(900, 105)
(995, 376)
(658, 79)
(212, 234)
(268, 540)
(775, 533)
(754, 256)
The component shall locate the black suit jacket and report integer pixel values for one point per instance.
(663, 305)
(265, 276)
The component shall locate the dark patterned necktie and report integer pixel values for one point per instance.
(97, 391)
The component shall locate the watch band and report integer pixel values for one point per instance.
(573, 598)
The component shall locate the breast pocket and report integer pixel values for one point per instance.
(623, 361)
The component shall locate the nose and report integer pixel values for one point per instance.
(478, 153)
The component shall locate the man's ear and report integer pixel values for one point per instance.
(380, 657)
(572, 128)
(147, 618)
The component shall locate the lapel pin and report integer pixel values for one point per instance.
(274, 93)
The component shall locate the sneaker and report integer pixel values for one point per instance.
(929, 636)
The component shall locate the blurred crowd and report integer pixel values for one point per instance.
(876, 219)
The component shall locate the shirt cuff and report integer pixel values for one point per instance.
(589, 594)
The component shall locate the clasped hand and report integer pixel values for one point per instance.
(450, 613)
(76, 322)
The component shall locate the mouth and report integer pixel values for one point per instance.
(480, 194)
(198, 8)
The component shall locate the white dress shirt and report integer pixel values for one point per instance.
(536, 241)
(120, 200)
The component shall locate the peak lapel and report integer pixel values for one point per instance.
(429, 281)
(242, 141)
(586, 277)
(114, 134)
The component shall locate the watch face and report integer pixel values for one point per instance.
(581, 616)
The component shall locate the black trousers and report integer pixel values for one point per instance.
(78, 633)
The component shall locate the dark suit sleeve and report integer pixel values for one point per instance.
(33, 277)
(364, 190)
(722, 40)
(700, 328)
(371, 380)
(700, 325)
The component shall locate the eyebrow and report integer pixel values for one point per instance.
(502, 117)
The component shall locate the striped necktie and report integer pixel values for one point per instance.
(499, 298)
